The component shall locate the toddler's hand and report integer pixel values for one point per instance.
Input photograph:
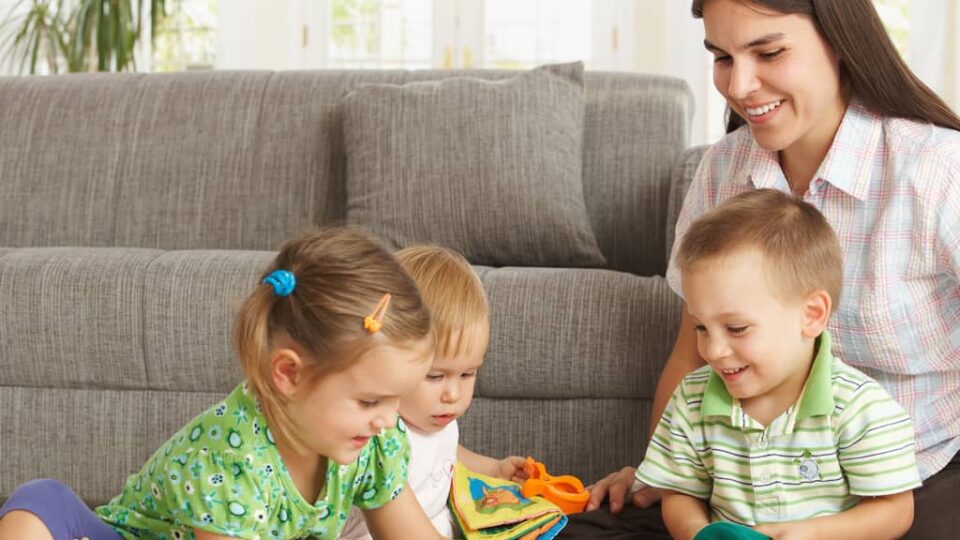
(511, 468)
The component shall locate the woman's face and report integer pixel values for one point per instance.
(777, 72)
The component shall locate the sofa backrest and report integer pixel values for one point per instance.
(243, 160)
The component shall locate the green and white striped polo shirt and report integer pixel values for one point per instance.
(844, 439)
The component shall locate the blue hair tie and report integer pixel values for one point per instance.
(282, 281)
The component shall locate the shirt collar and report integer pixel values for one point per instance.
(848, 164)
(815, 400)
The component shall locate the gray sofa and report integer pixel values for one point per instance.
(137, 210)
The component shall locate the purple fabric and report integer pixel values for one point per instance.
(59, 508)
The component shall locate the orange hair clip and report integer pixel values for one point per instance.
(374, 322)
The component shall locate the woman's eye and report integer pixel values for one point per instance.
(737, 330)
(724, 59)
(369, 403)
(771, 55)
(699, 328)
(434, 377)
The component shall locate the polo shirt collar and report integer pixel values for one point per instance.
(815, 400)
(847, 166)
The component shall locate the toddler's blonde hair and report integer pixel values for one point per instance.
(451, 290)
(801, 251)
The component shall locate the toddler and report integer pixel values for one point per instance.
(456, 299)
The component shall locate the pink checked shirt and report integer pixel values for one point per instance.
(891, 190)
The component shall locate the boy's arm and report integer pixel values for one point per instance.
(683, 514)
(887, 516)
(508, 468)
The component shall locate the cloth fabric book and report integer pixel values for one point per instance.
(489, 508)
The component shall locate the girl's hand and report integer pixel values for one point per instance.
(788, 530)
(511, 468)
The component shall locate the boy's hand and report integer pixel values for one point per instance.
(511, 468)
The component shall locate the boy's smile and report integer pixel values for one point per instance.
(759, 342)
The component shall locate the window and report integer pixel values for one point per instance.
(520, 35)
(380, 34)
(503, 34)
(896, 18)
(187, 37)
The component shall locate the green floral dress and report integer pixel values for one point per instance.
(222, 473)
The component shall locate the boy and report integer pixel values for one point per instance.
(458, 305)
(774, 433)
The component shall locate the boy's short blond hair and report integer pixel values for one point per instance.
(450, 289)
(801, 251)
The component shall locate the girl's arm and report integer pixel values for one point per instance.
(887, 516)
(400, 519)
(683, 515)
(508, 468)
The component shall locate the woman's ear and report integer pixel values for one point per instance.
(816, 313)
(286, 370)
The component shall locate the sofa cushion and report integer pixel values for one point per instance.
(490, 168)
(73, 317)
(576, 333)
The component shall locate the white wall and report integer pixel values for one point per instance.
(669, 41)
(260, 34)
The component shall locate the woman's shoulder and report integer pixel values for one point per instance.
(912, 139)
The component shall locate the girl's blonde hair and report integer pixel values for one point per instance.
(800, 249)
(341, 276)
(451, 290)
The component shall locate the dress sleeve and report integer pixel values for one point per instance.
(672, 461)
(875, 444)
(217, 492)
(384, 475)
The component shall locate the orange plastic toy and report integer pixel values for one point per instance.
(565, 491)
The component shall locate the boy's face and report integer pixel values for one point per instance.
(757, 342)
(447, 390)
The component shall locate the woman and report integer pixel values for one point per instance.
(821, 105)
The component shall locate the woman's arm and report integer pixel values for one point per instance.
(684, 515)
(508, 468)
(683, 359)
(400, 519)
(874, 518)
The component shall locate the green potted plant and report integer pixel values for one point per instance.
(77, 35)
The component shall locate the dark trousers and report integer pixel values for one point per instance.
(936, 514)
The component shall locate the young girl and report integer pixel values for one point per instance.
(329, 340)
(456, 299)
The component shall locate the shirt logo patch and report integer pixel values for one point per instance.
(808, 468)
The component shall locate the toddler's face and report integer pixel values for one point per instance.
(447, 390)
(344, 409)
(752, 338)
